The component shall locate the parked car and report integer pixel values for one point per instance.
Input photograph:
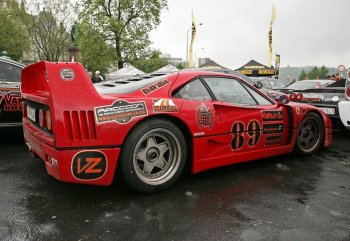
(148, 127)
(306, 84)
(10, 93)
(344, 105)
(270, 83)
(325, 98)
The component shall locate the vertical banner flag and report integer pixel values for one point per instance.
(190, 61)
(277, 63)
(270, 35)
(347, 85)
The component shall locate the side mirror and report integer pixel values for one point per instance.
(282, 100)
(258, 85)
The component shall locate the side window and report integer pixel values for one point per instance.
(229, 90)
(9, 72)
(195, 90)
(260, 99)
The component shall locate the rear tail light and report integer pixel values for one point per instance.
(292, 96)
(24, 109)
(347, 92)
(42, 121)
(48, 120)
(299, 96)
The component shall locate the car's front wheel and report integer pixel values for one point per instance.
(153, 156)
(310, 134)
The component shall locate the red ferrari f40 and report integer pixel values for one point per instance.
(148, 127)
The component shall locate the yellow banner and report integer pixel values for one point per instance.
(246, 71)
(269, 72)
(273, 16)
(190, 60)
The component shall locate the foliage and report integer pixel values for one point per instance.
(96, 54)
(314, 73)
(13, 35)
(48, 29)
(150, 65)
(289, 74)
(179, 66)
(124, 25)
(302, 75)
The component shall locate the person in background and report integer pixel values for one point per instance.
(98, 76)
(92, 77)
(337, 77)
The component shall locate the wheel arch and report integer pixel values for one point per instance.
(180, 124)
(324, 119)
(327, 127)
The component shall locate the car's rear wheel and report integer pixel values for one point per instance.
(153, 156)
(310, 134)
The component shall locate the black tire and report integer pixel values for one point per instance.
(310, 135)
(153, 156)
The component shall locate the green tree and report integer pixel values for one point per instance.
(323, 72)
(96, 54)
(124, 25)
(302, 75)
(49, 28)
(180, 66)
(151, 64)
(14, 37)
(314, 73)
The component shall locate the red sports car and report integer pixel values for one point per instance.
(148, 127)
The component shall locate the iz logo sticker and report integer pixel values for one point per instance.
(89, 165)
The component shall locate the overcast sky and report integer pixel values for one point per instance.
(305, 32)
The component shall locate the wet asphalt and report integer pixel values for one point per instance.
(281, 198)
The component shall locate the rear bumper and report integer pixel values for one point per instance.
(81, 165)
(344, 113)
(333, 106)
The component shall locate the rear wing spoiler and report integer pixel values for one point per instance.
(65, 84)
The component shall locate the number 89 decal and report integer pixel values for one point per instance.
(238, 138)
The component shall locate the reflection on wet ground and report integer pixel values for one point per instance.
(281, 198)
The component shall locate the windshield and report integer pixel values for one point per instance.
(10, 72)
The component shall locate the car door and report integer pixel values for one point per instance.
(205, 120)
(253, 121)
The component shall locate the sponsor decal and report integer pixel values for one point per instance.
(121, 111)
(300, 110)
(239, 139)
(273, 140)
(67, 74)
(164, 105)
(11, 102)
(204, 117)
(312, 97)
(272, 115)
(253, 132)
(153, 87)
(272, 128)
(199, 133)
(6, 87)
(89, 165)
(238, 135)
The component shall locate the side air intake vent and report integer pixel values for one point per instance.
(79, 125)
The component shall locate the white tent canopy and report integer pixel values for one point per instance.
(167, 68)
(127, 71)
